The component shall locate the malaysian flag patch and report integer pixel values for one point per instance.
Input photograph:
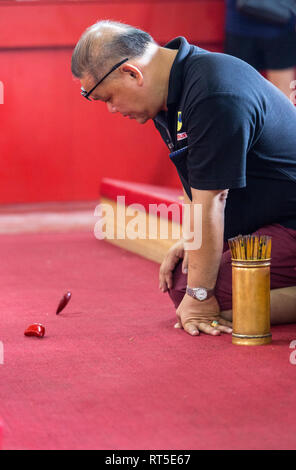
(181, 136)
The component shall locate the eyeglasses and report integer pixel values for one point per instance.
(87, 93)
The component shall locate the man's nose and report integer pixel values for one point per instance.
(111, 108)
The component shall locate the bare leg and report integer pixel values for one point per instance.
(282, 306)
(282, 79)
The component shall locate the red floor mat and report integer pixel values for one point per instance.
(113, 373)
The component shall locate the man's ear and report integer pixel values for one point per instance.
(133, 71)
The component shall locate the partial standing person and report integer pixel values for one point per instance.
(268, 47)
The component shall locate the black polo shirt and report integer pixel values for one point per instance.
(227, 127)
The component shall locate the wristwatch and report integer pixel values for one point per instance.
(200, 293)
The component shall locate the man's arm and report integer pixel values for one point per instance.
(203, 266)
(204, 263)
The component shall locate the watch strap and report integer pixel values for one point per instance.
(199, 292)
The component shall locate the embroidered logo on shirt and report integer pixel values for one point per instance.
(181, 136)
(179, 125)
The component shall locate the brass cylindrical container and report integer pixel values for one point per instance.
(251, 302)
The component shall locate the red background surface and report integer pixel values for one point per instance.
(54, 145)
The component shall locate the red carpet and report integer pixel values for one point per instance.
(113, 373)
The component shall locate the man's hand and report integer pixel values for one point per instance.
(173, 256)
(195, 316)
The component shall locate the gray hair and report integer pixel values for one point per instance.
(105, 43)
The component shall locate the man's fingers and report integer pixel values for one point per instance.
(191, 328)
(207, 328)
(166, 282)
(169, 279)
(185, 264)
(224, 329)
(225, 322)
(162, 284)
(166, 272)
(224, 325)
(178, 325)
(163, 277)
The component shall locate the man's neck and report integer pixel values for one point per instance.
(166, 58)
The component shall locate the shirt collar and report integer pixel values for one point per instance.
(176, 75)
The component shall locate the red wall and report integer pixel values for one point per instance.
(56, 146)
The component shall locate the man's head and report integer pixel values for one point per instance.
(138, 86)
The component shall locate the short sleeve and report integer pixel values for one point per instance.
(220, 132)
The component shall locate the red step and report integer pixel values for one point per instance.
(150, 247)
(140, 193)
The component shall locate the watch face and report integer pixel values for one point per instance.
(201, 294)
